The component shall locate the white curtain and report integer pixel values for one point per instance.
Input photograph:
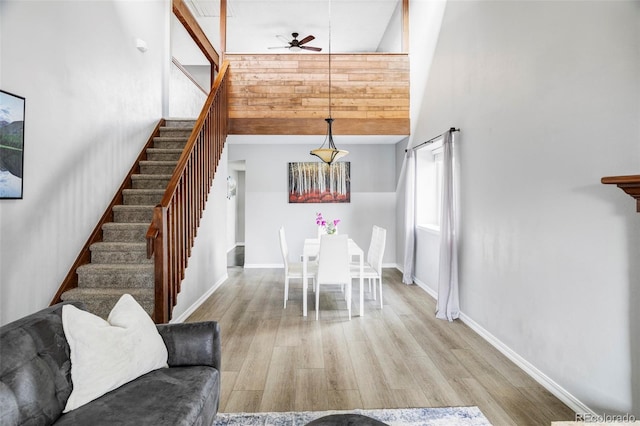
(448, 306)
(409, 215)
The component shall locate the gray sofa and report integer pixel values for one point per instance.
(35, 378)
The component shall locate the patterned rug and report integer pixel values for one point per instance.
(446, 416)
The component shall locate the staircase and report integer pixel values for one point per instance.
(119, 262)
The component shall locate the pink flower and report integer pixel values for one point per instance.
(330, 226)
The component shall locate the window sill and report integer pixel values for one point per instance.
(432, 229)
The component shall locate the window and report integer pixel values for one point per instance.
(429, 186)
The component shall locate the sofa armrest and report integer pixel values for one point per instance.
(196, 343)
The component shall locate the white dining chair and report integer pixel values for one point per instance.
(372, 270)
(333, 266)
(293, 269)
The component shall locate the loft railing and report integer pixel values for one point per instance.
(176, 219)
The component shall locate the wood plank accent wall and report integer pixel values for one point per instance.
(288, 94)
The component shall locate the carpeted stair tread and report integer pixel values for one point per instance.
(143, 191)
(164, 154)
(180, 122)
(171, 131)
(171, 138)
(137, 213)
(150, 181)
(125, 207)
(157, 167)
(143, 196)
(150, 176)
(117, 246)
(101, 301)
(125, 232)
(110, 292)
(164, 151)
(128, 225)
(169, 142)
(119, 253)
(160, 163)
(112, 275)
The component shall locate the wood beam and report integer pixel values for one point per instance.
(190, 23)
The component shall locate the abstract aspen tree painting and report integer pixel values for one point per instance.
(319, 182)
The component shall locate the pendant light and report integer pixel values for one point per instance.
(331, 153)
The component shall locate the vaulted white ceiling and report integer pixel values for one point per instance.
(254, 26)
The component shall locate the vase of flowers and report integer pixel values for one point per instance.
(328, 227)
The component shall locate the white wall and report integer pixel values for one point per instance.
(185, 98)
(207, 267)
(547, 98)
(425, 18)
(268, 208)
(92, 100)
(240, 212)
(232, 213)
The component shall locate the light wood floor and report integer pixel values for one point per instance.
(276, 360)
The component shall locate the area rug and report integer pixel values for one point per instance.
(445, 416)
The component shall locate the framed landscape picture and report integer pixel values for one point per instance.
(11, 144)
(320, 182)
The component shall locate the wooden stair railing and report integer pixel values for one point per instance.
(629, 184)
(176, 219)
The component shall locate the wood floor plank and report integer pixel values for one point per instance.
(492, 409)
(437, 349)
(256, 366)
(433, 382)
(374, 391)
(237, 338)
(311, 349)
(399, 356)
(337, 359)
(311, 390)
(344, 399)
(227, 381)
(394, 369)
(547, 404)
(404, 341)
(243, 402)
(279, 390)
(409, 398)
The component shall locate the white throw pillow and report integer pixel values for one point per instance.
(108, 354)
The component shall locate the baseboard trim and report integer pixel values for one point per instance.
(545, 381)
(264, 265)
(236, 245)
(200, 301)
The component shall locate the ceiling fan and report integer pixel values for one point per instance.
(296, 44)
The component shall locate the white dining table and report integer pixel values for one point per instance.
(310, 250)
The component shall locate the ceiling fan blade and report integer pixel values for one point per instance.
(307, 39)
(279, 47)
(315, 49)
(283, 39)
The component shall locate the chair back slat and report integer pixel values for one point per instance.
(333, 265)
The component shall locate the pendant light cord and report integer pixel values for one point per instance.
(329, 58)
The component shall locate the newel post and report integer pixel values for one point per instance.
(157, 247)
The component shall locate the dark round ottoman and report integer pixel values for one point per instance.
(346, 420)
